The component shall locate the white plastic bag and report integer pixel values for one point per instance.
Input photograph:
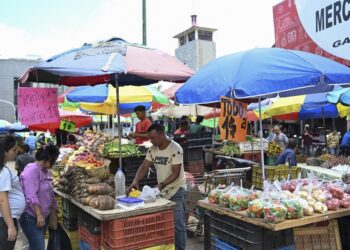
(149, 194)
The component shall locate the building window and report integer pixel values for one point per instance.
(182, 40)
(191, 36)
(205, 35)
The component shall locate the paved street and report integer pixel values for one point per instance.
(195, 243)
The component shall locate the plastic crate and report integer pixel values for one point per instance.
(247, 236)
(271, 160)
(89, 222)
(91, 240)
(73, 237)
(192, 154)
(220, 245)
(70, 224)
(252, 156)
(69, 210)
(161, 247)
(273, 173)
(344, 230)
(326, 237)
(139, 232)
(195, 168)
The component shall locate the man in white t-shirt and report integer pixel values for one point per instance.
(167, 157)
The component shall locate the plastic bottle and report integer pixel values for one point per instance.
(119, 181)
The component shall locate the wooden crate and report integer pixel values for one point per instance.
(318, 238)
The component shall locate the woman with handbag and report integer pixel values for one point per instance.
(11, 196)
(40, 199)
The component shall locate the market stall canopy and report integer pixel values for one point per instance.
(78, 118)
(260, 72)
(340, 96)
(99, 62)
(300, 107)
(173, 110)
(102, 98)
(170, 92)
(4, 126)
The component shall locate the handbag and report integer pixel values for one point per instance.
(53, 219)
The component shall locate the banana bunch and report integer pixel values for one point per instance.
(273, 149)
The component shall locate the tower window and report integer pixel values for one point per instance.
(191, 36)
(205, 35)
(182, 40)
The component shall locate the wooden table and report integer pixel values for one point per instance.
(104, 215)
(287, 224)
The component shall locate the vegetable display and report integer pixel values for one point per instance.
(231, 149)
(294, 208)
(273, 149)
(111, 150)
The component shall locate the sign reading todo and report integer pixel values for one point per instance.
(68, 125)
(327, 22)
(38, 105)
(233, 120)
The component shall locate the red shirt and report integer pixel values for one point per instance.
(141, 127)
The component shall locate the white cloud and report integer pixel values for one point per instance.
(241, 25)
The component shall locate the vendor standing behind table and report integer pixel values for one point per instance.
(306, 141)
(197, 127)
(280, 138)
(288, 155)
(167, 157)
(183, 129)
(140, 134)
(333, 140)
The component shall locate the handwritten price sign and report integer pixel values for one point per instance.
(233, 120)
(68, 126)
(38, 105)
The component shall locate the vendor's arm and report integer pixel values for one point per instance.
(141, 172)
(176, 169)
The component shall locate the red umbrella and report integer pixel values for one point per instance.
(79, 119)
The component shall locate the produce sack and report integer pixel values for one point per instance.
(256, 208)
(345, 202)
(239, 200)
(274, 212)
(332, 204)
(58, 239)
(214, 195)
(294, 207)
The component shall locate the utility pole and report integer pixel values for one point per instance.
(144, 23)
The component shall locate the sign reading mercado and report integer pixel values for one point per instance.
(327, 22)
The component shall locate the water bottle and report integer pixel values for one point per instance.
(119, 181)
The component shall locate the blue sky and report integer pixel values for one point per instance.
(48, 27)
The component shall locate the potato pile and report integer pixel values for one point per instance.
(88, 190)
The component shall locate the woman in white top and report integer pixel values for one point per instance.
(12, 201)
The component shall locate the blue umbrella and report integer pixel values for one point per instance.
(340, 96)
(260, 72)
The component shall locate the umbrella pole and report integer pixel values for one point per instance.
(261, 141)
(324, 127)
(214, 131)
(119, 127)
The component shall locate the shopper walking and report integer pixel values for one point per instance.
(40, 199)
(11, 197)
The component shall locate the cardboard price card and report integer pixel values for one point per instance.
(67, 126)
(233, 120)
(38, 105)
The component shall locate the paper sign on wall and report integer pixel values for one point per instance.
(233, 120)
(38, 105)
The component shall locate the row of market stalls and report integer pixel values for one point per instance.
(234, 216)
